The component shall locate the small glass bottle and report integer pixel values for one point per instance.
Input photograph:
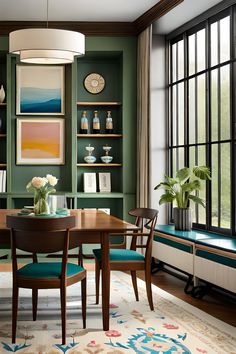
(96, 123)
(84, 124)
(109, 123)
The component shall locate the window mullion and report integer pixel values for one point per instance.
(233, 119)
(208, 126)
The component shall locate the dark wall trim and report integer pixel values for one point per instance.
(204, 16)
(98, 28)
(87, 28)
(157, 11)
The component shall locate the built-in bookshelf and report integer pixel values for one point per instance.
(115, 59)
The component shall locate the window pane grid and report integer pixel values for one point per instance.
(206, 110)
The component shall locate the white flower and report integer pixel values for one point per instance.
(38, 182)
(52, 180)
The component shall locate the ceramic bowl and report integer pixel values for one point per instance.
(90, 159)
(106, 159)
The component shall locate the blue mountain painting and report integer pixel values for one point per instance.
(36, 100)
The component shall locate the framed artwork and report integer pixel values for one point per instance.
(90, 185)
(104, 181)
(40, 141)
(40, 90)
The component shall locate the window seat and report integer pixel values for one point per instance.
(202, 255)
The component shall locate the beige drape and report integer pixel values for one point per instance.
(143, 112)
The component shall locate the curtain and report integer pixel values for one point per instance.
(143, 115)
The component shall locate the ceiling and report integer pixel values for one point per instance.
(74, 10)
(181, 14)
(93, 17)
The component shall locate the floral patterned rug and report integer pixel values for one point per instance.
(175, 327)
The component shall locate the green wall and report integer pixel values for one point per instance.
(101, 54)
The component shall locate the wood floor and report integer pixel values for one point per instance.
(215, 304)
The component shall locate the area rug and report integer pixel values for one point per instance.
(175, 327)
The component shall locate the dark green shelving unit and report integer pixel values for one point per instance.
(115, 59)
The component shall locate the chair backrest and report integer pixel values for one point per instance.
(146, 219)
(39, 234)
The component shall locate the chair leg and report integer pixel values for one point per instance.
(84, 297)
(63, 313)
(80, 256)
(97, 279)
(134, 281)
(35, 303)
(15, 296)
(149, 287)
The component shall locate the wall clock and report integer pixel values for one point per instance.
(94, 83)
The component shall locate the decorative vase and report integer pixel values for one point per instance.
(41, 203)
(183, 219)
(2, 94)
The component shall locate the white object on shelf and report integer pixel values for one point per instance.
(106, 210)
(4, 179)
(1, 179)
(90, 185)
(2, 94)
(106, 158)
(89, 158)
(104, 181)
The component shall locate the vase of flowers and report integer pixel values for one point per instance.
(42, 186)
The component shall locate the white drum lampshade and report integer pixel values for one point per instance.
(46, 45)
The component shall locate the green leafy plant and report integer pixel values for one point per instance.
(183, 187)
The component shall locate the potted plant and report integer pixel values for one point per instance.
(180, 190)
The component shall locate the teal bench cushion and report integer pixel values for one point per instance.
(47, 270)
(175, 244)
(120, 255)
(230, 262)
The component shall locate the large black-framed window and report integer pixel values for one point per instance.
(202, 124)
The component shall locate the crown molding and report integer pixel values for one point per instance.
(154, 13)
(98, 28)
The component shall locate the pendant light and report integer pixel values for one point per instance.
(46, 45)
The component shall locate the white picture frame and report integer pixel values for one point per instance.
(104, 182)
(40, 141)
(90, 185)
(40, 90)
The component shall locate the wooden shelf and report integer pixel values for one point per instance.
(3, 104)
(98, 195)
(3, 165)
(99, 135)
(3, 135)
(99, 164)
(80, 103)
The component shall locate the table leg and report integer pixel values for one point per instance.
(105, 280)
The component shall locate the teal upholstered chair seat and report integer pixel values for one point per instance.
(44, 235)
(47, 270)
(120, 255)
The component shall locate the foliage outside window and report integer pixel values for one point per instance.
(202, 85)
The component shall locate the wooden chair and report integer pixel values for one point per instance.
(43, 235)
(130, 259)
